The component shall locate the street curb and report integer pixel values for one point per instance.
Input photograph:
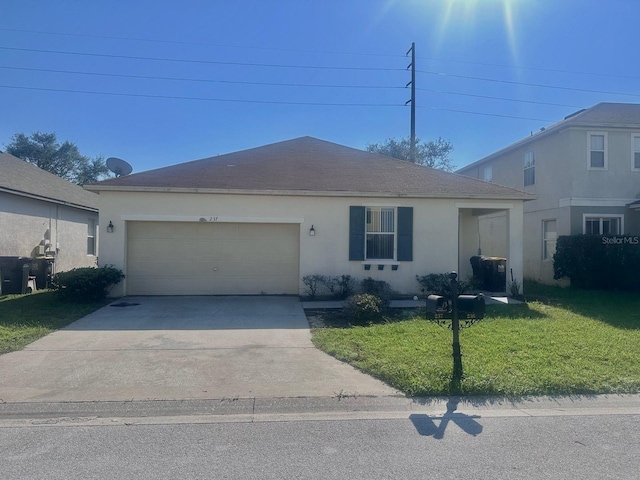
(352, 406)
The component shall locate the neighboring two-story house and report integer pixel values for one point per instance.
(585, 172)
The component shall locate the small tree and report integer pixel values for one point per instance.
(433, 153)
(63, 160)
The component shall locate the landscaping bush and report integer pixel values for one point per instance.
(598, 262)
(378, 288)
(86, 284)
(339, 287)
(440, 284)
(363, 308)
(313, 284)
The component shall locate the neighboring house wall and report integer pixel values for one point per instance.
(440, 226)
(28, 223)
(568, 189)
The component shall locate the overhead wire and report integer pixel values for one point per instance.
(283, 84)
(328, 52)
(319, 67)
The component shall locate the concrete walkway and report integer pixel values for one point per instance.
(168, 348)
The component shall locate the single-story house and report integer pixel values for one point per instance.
(45, 216)
(259, 220)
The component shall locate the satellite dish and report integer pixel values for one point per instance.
(119, 166)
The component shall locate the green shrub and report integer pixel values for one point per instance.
(339, 287)
(86, 284)
(378, 288)
(440, 284)
(313, 284)
(598, 262)
(363, 308)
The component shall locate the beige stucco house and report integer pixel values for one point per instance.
(257, 221)
(45, 216)
(585, 173)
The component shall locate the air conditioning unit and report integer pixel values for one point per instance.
(41, 250)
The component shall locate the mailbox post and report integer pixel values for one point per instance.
(466, 308)
(455, 327)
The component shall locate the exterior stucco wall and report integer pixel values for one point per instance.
(26, 223)
(493, 235)
(632, 222)
(619, 180)
(577, 213)
(563, 183)
(435, 229)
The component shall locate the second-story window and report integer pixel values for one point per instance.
(635, 161)
(488, 173)
(598, 150)
(529, 168)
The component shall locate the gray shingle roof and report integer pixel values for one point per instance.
(602, 115)
(308, 165)
(23, 178)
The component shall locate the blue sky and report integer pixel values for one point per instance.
(178, 81)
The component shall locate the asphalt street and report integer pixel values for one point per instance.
(449, 446)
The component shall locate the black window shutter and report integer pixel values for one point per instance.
(405, 234)
(356, 233)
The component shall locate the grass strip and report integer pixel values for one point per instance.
(562, 341)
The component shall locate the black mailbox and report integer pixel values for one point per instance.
(469, 307)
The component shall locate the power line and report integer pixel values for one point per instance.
(202, 44)
(511, 82)
(487, 114)
(539, 69)
(271, 102)
(210, 62)
(329, 52)
(209, 99)
(203, 80)
(490, 97)
(318, 67)
(301, 85)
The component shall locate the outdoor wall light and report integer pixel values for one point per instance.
(312, 231)
(110, 227)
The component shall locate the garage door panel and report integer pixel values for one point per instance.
(170, 258)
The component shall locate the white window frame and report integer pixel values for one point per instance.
(602, 216)
(529, 163)
(394, 233)
(634, 151)
(606, 150)
(487, 173)
(92, 236)
(545, 240)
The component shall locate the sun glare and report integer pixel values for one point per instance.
(463, 14)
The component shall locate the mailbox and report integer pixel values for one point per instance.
(469, 307)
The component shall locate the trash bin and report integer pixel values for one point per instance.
(12, 273)
(41, 269)
(495, 274)
(478, 272)
(490, 272)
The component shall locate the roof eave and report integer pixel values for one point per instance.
(306, 193)
(544, 133)
(48, 199)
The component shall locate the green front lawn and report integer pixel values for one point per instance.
(563, 341)
(26, 318)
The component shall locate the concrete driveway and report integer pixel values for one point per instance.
(171, 348)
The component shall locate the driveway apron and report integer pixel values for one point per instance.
(169, 348)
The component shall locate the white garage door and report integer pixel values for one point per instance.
(175, 258)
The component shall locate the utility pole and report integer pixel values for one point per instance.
(413, 99)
